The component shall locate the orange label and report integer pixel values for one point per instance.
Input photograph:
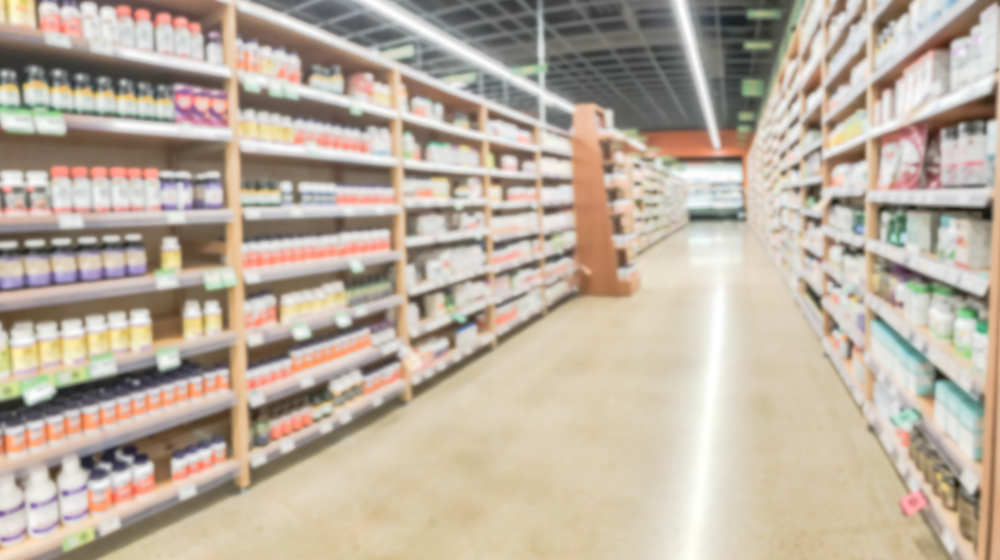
(108, 416)
(194, 389)
(99, 501)
(91, 421)
(124, 410)
(55, 432)
(72, 426)
(122, 494)
(144, 486)
(36, 438)
(14, 443)
(139, 407)
(168, 398)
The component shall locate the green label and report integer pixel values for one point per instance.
(17, 121)
(747, 116)
(357, 267)
(167, 280)
(459, 207)
(251, 86)
(72, 377)
(291, 91)
(76, 540)
(50, 123)
(301, 331)
(168, 359)
(39, 389)
(355, 110)
(530, 70)
(400, 53)
(744, 129)
(343, 320)
(10, 390)
(458, 317)
(752, 87)
(229, 279)
(459, 80)
(103, 366)
(213, 280)
(757, 45)
(276, 88)
(764, 14)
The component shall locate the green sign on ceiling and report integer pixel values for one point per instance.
(744, 129)
(530, 70)
(757, 45)
(400, 53)
(460, 80)
(752, 87)
(764, 14)
(747, 116)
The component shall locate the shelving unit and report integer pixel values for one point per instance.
(825, 225)
(222, 243)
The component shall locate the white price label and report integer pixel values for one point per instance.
(251, 214)
(286, 446)
(325, 427)
(307, 382)
(103, 367)
(301, 331)
(50, 123)
(296, 212)
(256, 399)
(346, 418)
(109, 525)
(176, 218)
(168, 359)
(70, 221)
(39, 391)
(167, 280)
(360, 311)
(949, 542)
(257, 459)
(969, 480)
(377, 402)
(58, 40)
(187, 492)
(17, 122)
(343, 320)
(348, 211)
(251, 277)
(255, 339)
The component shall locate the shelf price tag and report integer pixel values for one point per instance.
(228, 276)
(76, 540)
(325, 427)
(167, 280)
(360, 310)
(343, 320)
(948, 540)
(176, 217)
(377, 402)
(103, 366)
(39, 389)
(72, 377)
(256, 399)
(257, 459)
(255, 339)
(291, 92)
(346, 418)
(307, 382)
(286, 446)
(301, 331)
(355, 109)
(459, 317)
(70, 221)
(213, 279)
(357, 267)
(276, 88)
(9, 391)
(251, 277)
(459, 206)
(411, 360)
(251, 214)
(50, 123)
(913, 502)
(108, 526)
(168, 359)
(250, 83)
(17, 121)
(58, 40)
(969, 480)
(187, 492)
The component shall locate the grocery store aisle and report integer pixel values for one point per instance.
(698, 420)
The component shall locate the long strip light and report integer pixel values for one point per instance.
(694, 60)
(417, 25)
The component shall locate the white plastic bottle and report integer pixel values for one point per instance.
(12, 520)
(74, 505)
(43, 509)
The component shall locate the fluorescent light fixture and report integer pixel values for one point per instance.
(694, 60)
(407, 19)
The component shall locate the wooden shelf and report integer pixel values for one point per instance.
(262, 274)
(260, 336)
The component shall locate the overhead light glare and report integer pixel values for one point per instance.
(417, 25)
(694, 60)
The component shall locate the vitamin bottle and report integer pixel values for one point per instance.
(108, 30)
(196, 47)
(185, 190)
(55, 424)
(182, 37)
(49, 344)
(100, 189)
(136, 190)
(143, 30)
(73, 418)
(36, 263)
(74, 343)
(105, 102)
(83, 200)
(60, 90)
(37, 193)
(170, 196)
(142, 475)
(140, 330)
(74, 502)
(23, 352)
(34, 429)
(14, 441)
(152, 181)
(145, 103)
(63, 261)
(965, 325)
(120, 201)
(10, 92)
(21, 13)
(179, 465)
(49, 18)
(71, 22)
(170, 254)
(88, 258)
(135, 255)
(13, 519)
(35, 88)
(5, 370)
(118, 332)
(193, 325)
(164, 34)
(90, 22)
(113, 257)
(97, 336)
(980, 346)
(165, 103)
(213, 50)
(61, 190)
(83, 94)
(99, 491)
(211, 193)
(15, 193)
(213, 317)
(43, 510)
(126, 27)
(126, 99)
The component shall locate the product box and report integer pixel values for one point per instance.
(931, 76)
(921, 231)
(972, 243)
(989, 24)
(434, 305)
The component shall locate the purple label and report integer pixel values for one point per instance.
(38, 505)
(37, 279)
(11, 282)
(137, 269)
(11, 539)
(77, 517)
(90, 275)
(115, 271)
(66, 493)
(65, 276)
(19, 507)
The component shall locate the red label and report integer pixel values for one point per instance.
(913, 502)
(184, 100)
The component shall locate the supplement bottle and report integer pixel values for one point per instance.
(142, 475)
(170, 254)
(213, 317)
(55, 424)
(136, 190)
(74, 425)
(100, 189)
(13, 520)
(21, 13)
(74, 343)
(14, 441)
(37, 193)
(99, 491)
(97, 336)
(185, 190)
(196, 47)
(49, 18)
(74, 503)
(126, 99)
(152, 181)
(5, 368)
(212, 196)
(145, 101)
(108, 30)
(118, 332)
(49, 344)
(113, 257)
(980, 346)
(126, 27)
(119, 190)
(164, 34)
(23, 352)
(165, 103)
(135, 255)
(35, 88)
(90, 21)
(193, 325)
(71, 22)
(36, 263)
(105, 101)
(43, 510)
(143, 30)
(218, 450)
(83, 200)
(182, 37)
(10, 91)
(178, 466)
(15, 193)
(213, 50)
(965, 325)
(61, 190)
(170, 196)
(60, 91)
(140, 330)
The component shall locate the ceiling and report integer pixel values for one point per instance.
(627, 54)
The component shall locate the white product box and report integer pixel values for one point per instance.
(972, 245)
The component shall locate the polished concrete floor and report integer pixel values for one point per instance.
(698, 420)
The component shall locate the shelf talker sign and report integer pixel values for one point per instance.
(764, 14)
(752, 87)
(400, 53)
(461, 80)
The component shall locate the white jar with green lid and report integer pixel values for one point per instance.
(965, 325)
(980, 346)
(941, 317)
(918, 303)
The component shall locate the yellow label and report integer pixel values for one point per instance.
(4, 360)
(24, 359)
(142, 337)
(119, 340)
(213, 324)
(170, 260)
(97, 343)
(192, 327)
(74, 351)
(50, 352)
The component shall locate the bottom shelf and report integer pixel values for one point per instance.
(164, 496)
(507, 327)
(843, 368)
(812, 314)
(291, 442)
(457, 355)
